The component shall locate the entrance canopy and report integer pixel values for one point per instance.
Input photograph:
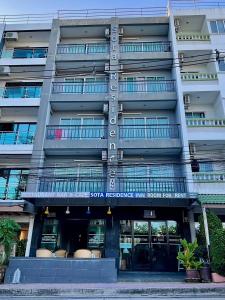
(212, 200)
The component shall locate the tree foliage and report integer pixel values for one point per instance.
(187, 256)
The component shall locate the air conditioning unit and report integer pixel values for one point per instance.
(11, 36)
(121, 31)
(4, 70)
(107, 67)
(104, 155)
(120, 155)
(107, 33)
(105, 109)
(120, 110)
(192, 148)
(187, 101)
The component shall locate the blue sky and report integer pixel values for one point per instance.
(43, 6)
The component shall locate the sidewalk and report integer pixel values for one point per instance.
(120, 289)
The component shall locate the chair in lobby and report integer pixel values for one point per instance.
(82, 253)
(43, 253)
(60, 253)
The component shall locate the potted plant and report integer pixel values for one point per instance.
(8, 235)
(190, 262)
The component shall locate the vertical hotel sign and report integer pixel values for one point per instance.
(113, 107)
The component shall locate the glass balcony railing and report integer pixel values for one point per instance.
(25, 53)
(15, 138)
(145, 47)
(76, 132)
(21, 92)
(153, 184)
(147, 86)
(11, 191)
(148, 131)
(72, 184)
(93, 48)
(80, 88)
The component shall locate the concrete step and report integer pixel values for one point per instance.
(117, 290)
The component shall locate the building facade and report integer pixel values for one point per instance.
(112, 132)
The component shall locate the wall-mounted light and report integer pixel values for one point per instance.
(67, 212)
(46, 212)
(88, 212)
(109, 211)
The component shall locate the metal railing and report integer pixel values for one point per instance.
(76, 132)
(25, 53)
(209, 176)
(198, 76)
(91, 48)
(72, 184)
(21, 92)
(192, 4)
(145, 47)
(80, 88)
(193, 37)
(15, 137)
(147, 86)
(153, 184)
(148, 131)
(205, 122)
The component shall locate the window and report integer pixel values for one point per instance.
(205, 167)
(221, 64)
(217, 26)
(195, 115)
(149, 171)
(17, 133)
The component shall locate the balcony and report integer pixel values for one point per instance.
(147, 86)
(11, 191)
(76, 139)
(24, 56)
(79, 92)
(198, 76)
(149, 131)
(69, 52)
(196, 36)
(206, 129)
(72, 185)
(145, 50)
(153, 184)
(16, 142)
(209, 182)
(27, 96)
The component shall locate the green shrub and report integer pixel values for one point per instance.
(187, 256)
(218, 251)
(21, 247)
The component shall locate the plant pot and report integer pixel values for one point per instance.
(2, 273)
(192, 276)
(205, 274)
(217, 278)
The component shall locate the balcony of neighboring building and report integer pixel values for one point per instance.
(151, 132)
(20, 94)
(17, 138)
(205, 121)
(79, 134)
(151, 88)
(210, 177)
(25, 48)
(12, 183)
(198, 71)
(192, 32)
(71, 90)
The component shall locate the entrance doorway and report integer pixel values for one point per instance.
(149, 245)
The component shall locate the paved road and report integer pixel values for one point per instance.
(105, 298)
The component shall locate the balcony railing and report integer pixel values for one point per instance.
(21, 92)
(145, 47)
(209, 177)
(15, 138)
(205, 122)
(83, 48)
(153, 184)
(25, 53)
(72, 184)
(148, 131)
(12, 191)
(193, 37)
(80, 88)
(147, 86)
(198, 76)
(76, 132)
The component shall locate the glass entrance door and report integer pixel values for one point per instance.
(149, 245)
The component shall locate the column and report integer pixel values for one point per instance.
(29, 237)
(192, 225)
